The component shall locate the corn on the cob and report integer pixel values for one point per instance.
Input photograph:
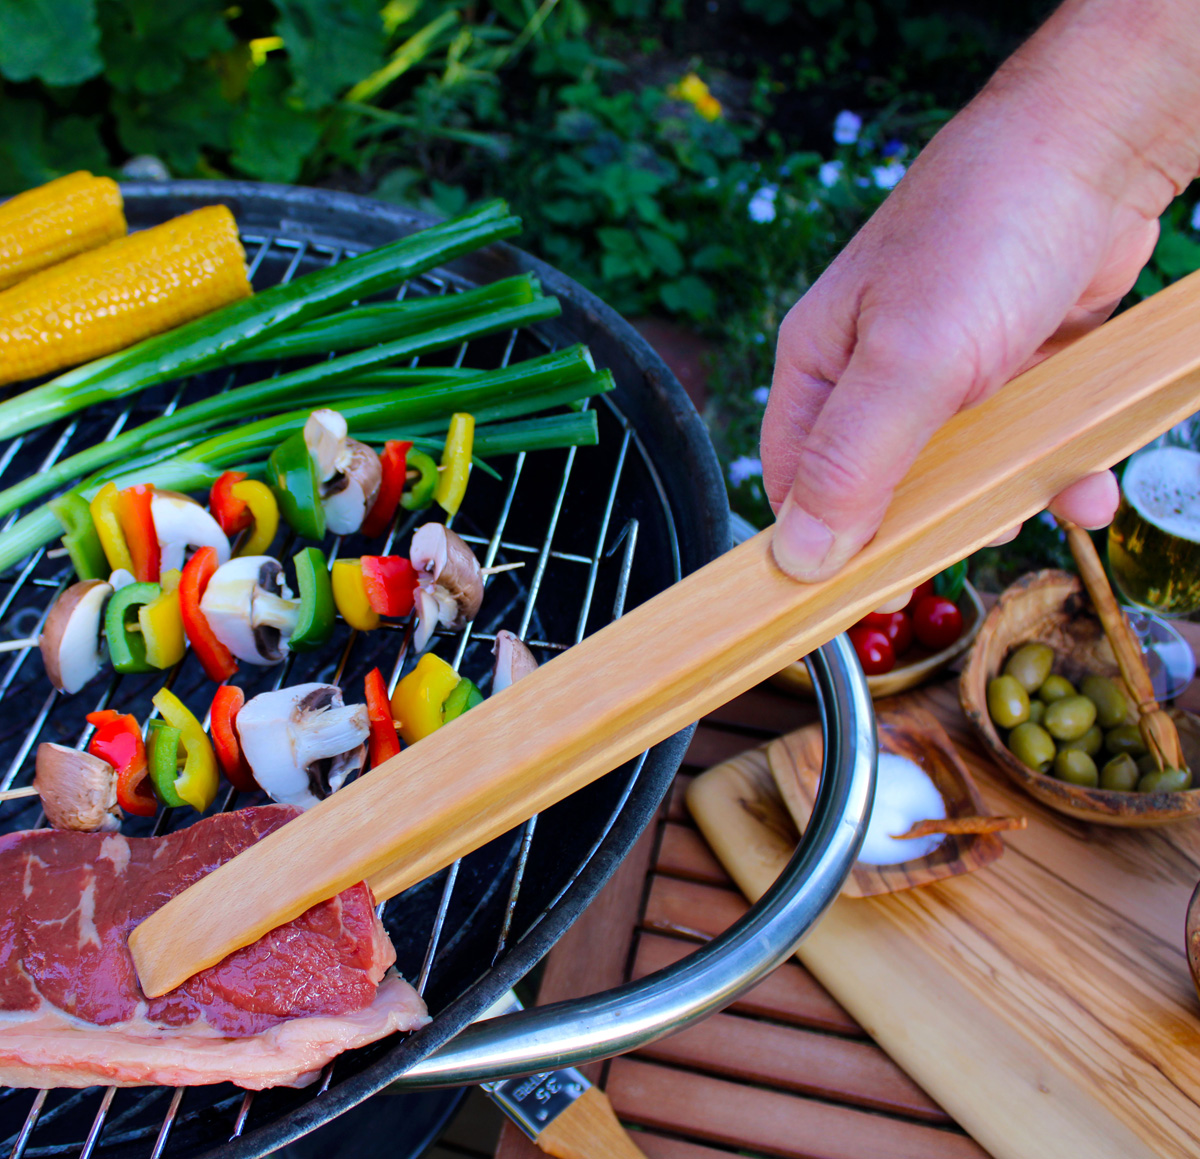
(114, 296)
(56, 221)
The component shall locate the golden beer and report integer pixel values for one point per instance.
(1154, 540)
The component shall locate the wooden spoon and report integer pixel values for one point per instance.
(1191, 937)
(693, 647)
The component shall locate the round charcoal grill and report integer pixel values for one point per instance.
(598, 529)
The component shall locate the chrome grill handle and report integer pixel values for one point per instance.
(584, 1030)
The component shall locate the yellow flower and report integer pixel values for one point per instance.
(693, 90)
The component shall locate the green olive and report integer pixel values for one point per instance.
(1120, 773)
(1147, 764)
(1076, 768)
(1032, 745)
(1008, 702)
(1110, 702)
(1029, 665)
(1037, 709)
(1125, 738)
(1055, 688)
(1091, 743)
(1069, 718)
(1165, 781)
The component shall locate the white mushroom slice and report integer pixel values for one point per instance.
(121, 578)
(352, 492)
(250, 609)
(302, 742)
(513, 660)
(70, 639)
(325, 436)
(180, 523)
(449, 581)
(78, 790)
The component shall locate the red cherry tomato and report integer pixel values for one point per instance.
(898, 628)
(874, 649)
(937, 622)
(919, 593)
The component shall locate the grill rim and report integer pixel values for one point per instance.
(684, 462)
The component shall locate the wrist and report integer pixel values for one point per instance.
(1115, 84)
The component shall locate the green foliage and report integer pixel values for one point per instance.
(50, 40)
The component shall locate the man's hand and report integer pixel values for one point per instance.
(1018, 229)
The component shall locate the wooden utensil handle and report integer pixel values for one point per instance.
(694, 646)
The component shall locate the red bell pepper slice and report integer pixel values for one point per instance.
(218, 661)
(384, 742)
(118, 740)
(231, 513)
(394, 461)
(227, 703)
(391, 584)
(137, 525)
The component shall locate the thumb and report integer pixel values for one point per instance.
(872, 426)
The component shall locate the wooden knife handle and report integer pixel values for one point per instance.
(693, 647)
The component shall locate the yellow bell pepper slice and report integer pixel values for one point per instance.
(418, 700)
(264, 509)
(350, 595)
(197, 783)
(108, 526)
(456, 463)
(162, 624)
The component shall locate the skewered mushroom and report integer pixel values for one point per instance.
(350, 472)
(449, 581)
(180, 523)
(513, 660)
(78, 790)
(302, 742)
(70, 640)
(250, 609)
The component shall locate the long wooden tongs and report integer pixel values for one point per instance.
(693, 647)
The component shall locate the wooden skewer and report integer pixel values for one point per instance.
(15, 794)
(962, 826)
(669, 661)
(17, 645)
(1157, 728)
(500, 567)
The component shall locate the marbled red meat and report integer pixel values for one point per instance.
(72, 900)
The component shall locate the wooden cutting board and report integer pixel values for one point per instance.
(1045, 1001)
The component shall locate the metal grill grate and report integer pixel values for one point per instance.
(572, 518)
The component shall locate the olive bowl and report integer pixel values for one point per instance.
(920, 664)
(1051, 607)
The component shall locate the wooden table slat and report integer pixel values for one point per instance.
(691, 909)
(785, 1125)
(797, 1060)
(682, 852)
(789, 994)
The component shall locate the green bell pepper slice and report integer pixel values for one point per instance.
(420, 495)
(315, 623)
(465, 696)
(162, 755)
(81, 540)
(127, 648)
(292, 475)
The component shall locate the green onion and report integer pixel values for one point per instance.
(215, 338)
(310, 384)
(366, 325)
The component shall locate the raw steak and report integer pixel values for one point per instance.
(71, 1012)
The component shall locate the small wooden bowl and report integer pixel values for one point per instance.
(1052, 608)
(911, 732)
(919, 665)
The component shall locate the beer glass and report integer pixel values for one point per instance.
(1154, 550)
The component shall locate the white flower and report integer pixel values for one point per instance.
(1196, 216)
(829, 173)
(762, 204)
(888, 176)
(761, 394)
(744, 467)
(846, 127)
